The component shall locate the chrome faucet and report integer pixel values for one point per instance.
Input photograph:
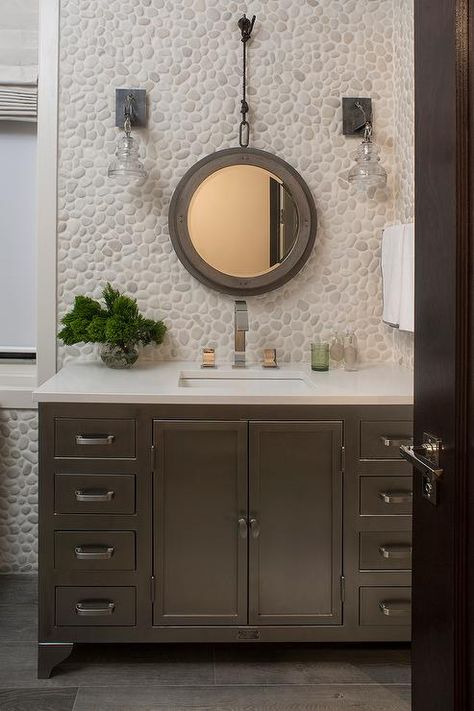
(240, 326)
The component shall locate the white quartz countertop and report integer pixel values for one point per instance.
(174, 382)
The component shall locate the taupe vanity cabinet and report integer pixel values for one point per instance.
(247, 511)
(295, 510)
(222, 523)
(200, 523)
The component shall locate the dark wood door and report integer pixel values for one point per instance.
(295, 517)
(200, 523)
(442, 351)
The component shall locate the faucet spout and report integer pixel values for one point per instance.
(241, 326)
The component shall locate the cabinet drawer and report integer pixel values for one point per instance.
(94, 493)
(386, 495)
(385, 550)
(382, 440)
(95, 607)
(94, 439)
(385, 606)
(94, 550)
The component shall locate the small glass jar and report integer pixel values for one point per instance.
(320, 356)
(351, 351)
(336, 350)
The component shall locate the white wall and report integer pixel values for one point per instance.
(17, 235)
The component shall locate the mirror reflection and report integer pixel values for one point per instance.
(242, 221)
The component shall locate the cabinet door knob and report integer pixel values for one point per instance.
(254, 528)
(243, 530)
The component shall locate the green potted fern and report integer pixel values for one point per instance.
(118, 327)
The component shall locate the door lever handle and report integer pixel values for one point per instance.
(416, 456)
(425, 459)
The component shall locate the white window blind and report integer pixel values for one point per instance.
(18, 60)
(17, 237)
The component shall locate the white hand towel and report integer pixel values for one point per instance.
(392, 251)
(407, 299)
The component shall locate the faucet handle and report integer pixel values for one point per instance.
(208, 358)
(270, 358)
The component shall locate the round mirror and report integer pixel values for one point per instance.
(242, 194)
(242, 221)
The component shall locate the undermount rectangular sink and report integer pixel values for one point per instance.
(247, 382)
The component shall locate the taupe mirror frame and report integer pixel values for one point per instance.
(193, 262)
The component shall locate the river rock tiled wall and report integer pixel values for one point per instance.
(304, 57)
(404, 179)
(18, 490)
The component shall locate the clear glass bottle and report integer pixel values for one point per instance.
(336, 349)
(351, 351)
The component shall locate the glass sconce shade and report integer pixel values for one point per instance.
(126, 167)
(367, 174)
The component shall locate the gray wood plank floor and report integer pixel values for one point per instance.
(205, 677)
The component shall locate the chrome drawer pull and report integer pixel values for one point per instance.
(395, 552)
(91, 495)
(91, 552)
(396, 440)
(97, 439)
(396, 497)
(395, 608)
(95, 608)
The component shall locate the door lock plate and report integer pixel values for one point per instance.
(429, 487)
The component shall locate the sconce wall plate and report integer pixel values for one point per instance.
(138, 119)
(353, 122)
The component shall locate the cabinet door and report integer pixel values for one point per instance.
(295, 549)
(200, 519)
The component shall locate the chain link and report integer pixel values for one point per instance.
(246, 27)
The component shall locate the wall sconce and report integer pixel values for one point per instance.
(367, 174)
(130, 110)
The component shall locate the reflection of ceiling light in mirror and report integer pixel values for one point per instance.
(126, 167)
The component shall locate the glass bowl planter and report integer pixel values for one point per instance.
(118, 356)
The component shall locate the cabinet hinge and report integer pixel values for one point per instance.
(152, 457)
(343, 589)
(152, 588)
(343, 458)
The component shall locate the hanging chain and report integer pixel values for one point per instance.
(128, 113)
(246, 27)
(368, 127)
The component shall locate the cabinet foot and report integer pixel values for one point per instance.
(50, 655)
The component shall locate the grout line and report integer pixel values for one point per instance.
(75, 699)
